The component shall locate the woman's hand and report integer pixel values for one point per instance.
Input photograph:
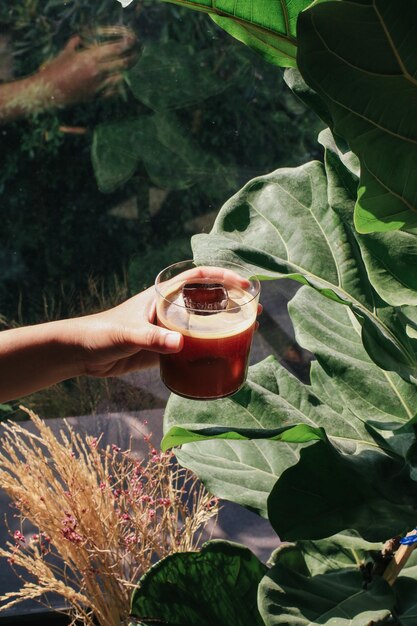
(124, 338)
(110, 343)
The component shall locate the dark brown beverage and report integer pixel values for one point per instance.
(208, 368)
(214, 360)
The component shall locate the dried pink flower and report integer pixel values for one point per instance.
(18, 536)
(105, 517)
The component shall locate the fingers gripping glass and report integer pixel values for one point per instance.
(214, 307)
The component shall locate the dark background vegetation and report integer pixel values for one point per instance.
(67, 248)
(57, 229)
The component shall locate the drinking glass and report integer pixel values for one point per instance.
(214, 307)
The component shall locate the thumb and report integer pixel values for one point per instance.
(157, 339)
(73, 43)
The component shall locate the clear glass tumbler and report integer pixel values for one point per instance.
(214, 307)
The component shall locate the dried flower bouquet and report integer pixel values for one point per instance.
(103, 517)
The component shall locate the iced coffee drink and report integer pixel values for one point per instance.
(215, 309)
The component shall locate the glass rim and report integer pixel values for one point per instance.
(253, 280)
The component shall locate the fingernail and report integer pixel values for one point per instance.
(172, 340)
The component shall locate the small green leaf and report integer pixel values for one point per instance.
(302, 433)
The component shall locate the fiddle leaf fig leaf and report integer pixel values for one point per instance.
(299, 87)
(405, 589)
(186, 588)
(328, 490)
(279, 414)
(406, 594)
(345, 550)
(350, 162)
(267, 27)
(387, 256)
(343, 375)
(177, 436)
(115, 153)
(282, 225)
(272, 403)
(154, 141)
(163, 67)
(361, 58)
(333, 592)
(239, 471)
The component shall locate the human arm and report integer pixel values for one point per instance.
(110, 343)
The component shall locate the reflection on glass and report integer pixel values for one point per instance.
(88, 65)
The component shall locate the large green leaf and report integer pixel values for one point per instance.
(343, 375)
(388, 256)
(277, 412)
(328, 491)
(217, 585)
(244, 471)
(361, 58)
(157, 141)
(267, 26)
(275, 405)
(239, 471)
(168, 77)
(346, 550)
(320, 583)
(271, 401)
(281, 225)
(115, 153)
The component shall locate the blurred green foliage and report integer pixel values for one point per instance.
(214, 114)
